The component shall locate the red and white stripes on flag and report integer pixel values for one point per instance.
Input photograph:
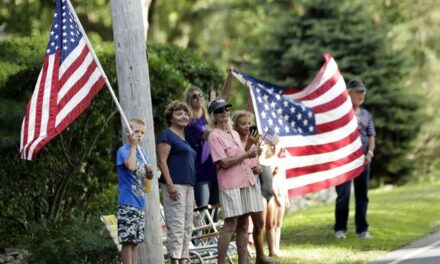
(330, 153)
(67, 83)
(334, 154)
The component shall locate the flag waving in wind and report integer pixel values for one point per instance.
(316, 126)
(67, 83)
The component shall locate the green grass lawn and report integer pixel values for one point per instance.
(397, 216)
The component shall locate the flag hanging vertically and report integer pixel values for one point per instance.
(316, 126)
(67, 83)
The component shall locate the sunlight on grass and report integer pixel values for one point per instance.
(397, 216)
(320, 254)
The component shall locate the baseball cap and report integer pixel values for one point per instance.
(217, 104)
(356, 85)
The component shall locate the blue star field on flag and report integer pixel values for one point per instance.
(275, 112)
(65, 33)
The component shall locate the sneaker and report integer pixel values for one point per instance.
(340, 234)
(365, 235)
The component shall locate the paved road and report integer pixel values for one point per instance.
(424, 251)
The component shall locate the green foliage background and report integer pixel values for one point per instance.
(391, 45)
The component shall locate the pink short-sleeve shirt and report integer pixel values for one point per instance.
(228, 145)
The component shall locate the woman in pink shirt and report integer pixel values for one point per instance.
(237, 184)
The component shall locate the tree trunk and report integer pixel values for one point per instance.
(135, 99)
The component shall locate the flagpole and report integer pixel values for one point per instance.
(112, 93)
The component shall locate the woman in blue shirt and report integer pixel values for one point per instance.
(177, 163)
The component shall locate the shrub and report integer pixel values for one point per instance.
(74, 241)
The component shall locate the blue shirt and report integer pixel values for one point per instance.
(181, 159)
(205, 168)
(131, 185)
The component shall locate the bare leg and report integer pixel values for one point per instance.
(258, 220)
(126, 253)
(229, 226)
(265, 205)
(242, 238)
(264, 209)
(270, 228)
(134, 254)
(278, 226)
(250, 231)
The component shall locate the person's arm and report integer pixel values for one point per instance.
(257, 169)
(163, 151)
(277, 200)
(230, 162)
(275, 185)
(371, 144)
(250, 106)
(205, 135)
(281, 183)
(130, 162)
(227, 86)
(370, 149)
(287, 202)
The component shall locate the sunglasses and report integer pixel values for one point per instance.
(360, 91)
(222, 110)
(197, 95)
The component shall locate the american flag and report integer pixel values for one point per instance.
(67, 83)
(317, 128)
(270, 137)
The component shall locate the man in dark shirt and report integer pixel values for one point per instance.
(357, 91)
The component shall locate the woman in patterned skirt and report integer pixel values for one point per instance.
(238, 191)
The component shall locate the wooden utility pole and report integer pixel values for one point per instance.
(135, 98)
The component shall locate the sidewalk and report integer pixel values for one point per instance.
(423, 251)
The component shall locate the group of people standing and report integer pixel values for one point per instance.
(208, 156)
